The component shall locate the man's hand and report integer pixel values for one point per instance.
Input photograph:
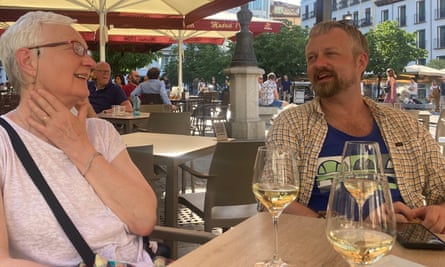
(432, 217)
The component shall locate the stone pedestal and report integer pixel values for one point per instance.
(245, 122)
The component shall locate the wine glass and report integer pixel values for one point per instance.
(361, 223)
(361, 160)
(276, 184)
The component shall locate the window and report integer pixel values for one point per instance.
(421, 39)
(420, 16)
(355, 17)
(441, 9)
(402, 16)
(441, 42)
(367, 20)
(385, 15)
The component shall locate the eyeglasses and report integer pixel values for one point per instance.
(77, 47)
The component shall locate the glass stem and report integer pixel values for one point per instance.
(276, 257)
(360, 213)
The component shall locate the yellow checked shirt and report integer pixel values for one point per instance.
(419, 165)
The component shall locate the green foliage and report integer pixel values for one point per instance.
(124, 62)
(391, 47)
(283, 52)
(437, 64)
(200, 61)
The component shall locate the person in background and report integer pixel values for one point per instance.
(285, 85)
(167, 83)
(213, 85)
(153, 86)
(337, 56)
(391, 85)
(269, 94)
(103, 93)
(442, 94)
(260, 84)
(202, 86)
(119, 80)
(412, 88)
(133, 81)
(84, 160)
(434, 96)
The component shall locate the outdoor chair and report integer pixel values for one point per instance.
(205, 115)
(155, 108)
(209, 97)
(170, 123)
(228, 198)
(150, 99)
(8, 102)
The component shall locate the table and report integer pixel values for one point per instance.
(172, 150)
(127, 119)
(302, 243)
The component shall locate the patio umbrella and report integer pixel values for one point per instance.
(213, 29)
(423, 70)
(166, 14)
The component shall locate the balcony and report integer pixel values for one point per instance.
(354, 2)
(366, 22)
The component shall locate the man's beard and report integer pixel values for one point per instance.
(333, 87)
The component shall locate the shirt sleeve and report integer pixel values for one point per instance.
(164, 95)
(136, 91)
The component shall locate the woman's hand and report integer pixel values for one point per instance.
(57, 123)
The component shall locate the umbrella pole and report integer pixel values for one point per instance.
(180, 54)
(103, 33)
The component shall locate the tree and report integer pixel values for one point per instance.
(283, 52)
(437, 64)
(123, 62)
(200, 61)
(391, 47)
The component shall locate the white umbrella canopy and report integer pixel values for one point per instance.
(423, 70)
(161, 14)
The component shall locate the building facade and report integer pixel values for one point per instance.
(426, 18)
(284, 11)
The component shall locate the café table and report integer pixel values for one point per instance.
(127, 119)
(302, 242)
(172, 150)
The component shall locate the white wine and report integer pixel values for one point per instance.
(274, 197)
(361, 246)
(360, 189)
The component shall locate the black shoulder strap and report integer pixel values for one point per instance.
(71, 231)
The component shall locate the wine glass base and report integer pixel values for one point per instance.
(273, 263)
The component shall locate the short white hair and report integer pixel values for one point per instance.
(25, 32)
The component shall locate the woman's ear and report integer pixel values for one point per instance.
(27, 61)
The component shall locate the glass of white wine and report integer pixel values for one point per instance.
(361, 223)
(275, 183)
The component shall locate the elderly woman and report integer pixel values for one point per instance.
(83, 160)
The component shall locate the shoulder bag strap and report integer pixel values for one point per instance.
(69, 228)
